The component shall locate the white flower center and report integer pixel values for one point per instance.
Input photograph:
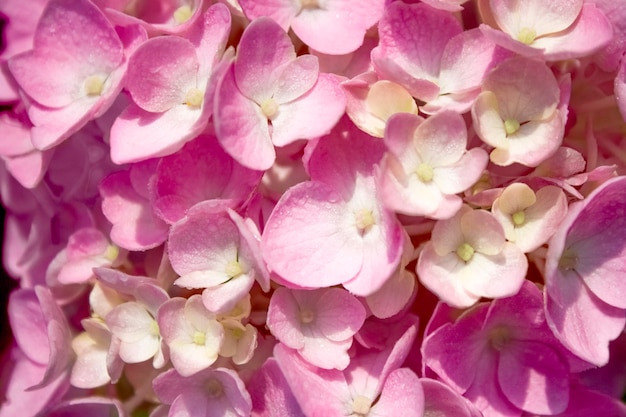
(364, 220)
(269, 108)
(425, 172)
(194, 98)
(527, 35)
(93, 85)
(361, 406)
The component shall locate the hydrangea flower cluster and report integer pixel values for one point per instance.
(320, 208)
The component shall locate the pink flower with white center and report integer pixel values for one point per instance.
(427, 52)
(529, 219)
(126, 204)
(558, 30)
(191, 332)
(372, 385)
(336, 219)
(520, 112)
(510, 361)
(75, 70)
(320, 23)
(271, 97)
(201, 171)
(468, 258)
(319, 324)
(217, 250)
(135, 329)
(428, 164)
(171, 81)
(208, 393)
(240, 341)
(585, 293)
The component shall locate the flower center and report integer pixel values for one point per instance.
(511, 126)
(500, 337)
(214, 388)
(527, 35)
(182, 14)
(310, 4)
(233, 269)
(269, 108)
(425, 172)
(568, 260)
(364, 220)
(94, 85)
(465, 252)
(194, 98)
(306, 316)
(519, 218)
(199, 338)
(361, 406)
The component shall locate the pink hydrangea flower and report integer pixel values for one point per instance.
(468, 258)
(428, 164)
(585, 295)
(319, 324)
(69, 83)
(271, 97)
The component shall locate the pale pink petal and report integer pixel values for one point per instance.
(496, 276)
(281, 11)
(340, 315)
(402, 395)
(296, 78)
(283, 318)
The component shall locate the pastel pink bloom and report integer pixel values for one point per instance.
(75, 70)
(585, 292)
(319, 324)
(126, 204)
(520, 112)
(509, 361)
(42, 332)
(336, 219)
(428, 164)
(556, 30)
(372, 385)
(135, 329)
(193, 334)
(271, 97)
(240, 341)
(156, 16)
(217, 250)
(91, 368)
(529, 219)
(468, 258)
(427, 52)
(171, 81)
(371, 102)
(87, 248)
(320, 24)
(201, 171)
(209, 393)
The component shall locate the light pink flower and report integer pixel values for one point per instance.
(427, 164)
(74, 71)
(271, 97)
(319, 324)
(468, 258)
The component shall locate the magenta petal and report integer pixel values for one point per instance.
(255, 68)
(534, 377)
(241, 127)
(402, 395)
(311, 219)
(160, 73)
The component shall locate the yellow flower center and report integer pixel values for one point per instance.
(465, 252)
(233, 269)
(306, 316)
(361, 406)
(93, 85)
(194, 98)
(425, 172)
(182, 14)
(199, 338)
(511, 126)
(269, 108)
(527, 36)
(519, 218)
(364, 219)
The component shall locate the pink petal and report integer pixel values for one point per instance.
(282, 318)
(402, 395)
